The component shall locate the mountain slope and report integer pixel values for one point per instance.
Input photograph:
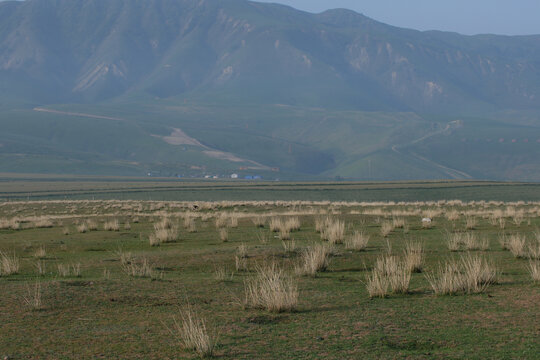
(330, 94)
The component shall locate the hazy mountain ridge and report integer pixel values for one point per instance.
(93, 50)
(330, 94)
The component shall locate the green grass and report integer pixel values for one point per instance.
(124, 317)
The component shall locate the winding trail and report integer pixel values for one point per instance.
(453, 173)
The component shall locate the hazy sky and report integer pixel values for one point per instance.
(510, 17)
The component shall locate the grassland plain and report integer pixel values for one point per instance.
(61, 187)
(71, 289)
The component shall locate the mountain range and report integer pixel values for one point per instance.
(196, 87)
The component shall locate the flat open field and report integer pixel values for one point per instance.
(271, 280)
(54, 187)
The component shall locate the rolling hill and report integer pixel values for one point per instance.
(194, 87)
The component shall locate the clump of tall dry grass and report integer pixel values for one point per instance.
(10, 224)
(82, 228)
(386, 228)
(358, 241)
(414, 256)
(398, 223)
(271, 289)
(223, 235)
(65, 270)
(259, 221)
(289, 246)
(33, 297)
(9, 264)
(534, 270)
(314, 259)
(165, 231)
(470, 222)
(471, 242)
(111, 225)
(40, 252)
(473, 274)
(139, 268)
(43, 223)
(516, 245)
(334, 231)
(194, 333)
(397, 273)
(377, 285)
(454, 241)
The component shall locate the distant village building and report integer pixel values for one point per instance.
(234, 176)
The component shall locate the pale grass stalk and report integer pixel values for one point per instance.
(263, 237)
(82, 228)
(454, 241)
(33, 297)
(40, 252)
(479, 274)
(140, 268)
(112, 225)
(65, 231)
(315, 259)
(275, 224)
(289, 246)
(223, 234)
(91, 225)
(386, 228)
(414, 256)
(448, 280)
(272, 290)
(377, 285)
(242, 251)
(127, 226)
(358, 241)
(194, 334)
(284, 234)
(240, 263)
(334, 232)
(40, 267)
(470, 222)
(259, 221)
(221, 274)
(534, 270)
(398, 223)
(516, 245)
(9, 264)
(106, 274)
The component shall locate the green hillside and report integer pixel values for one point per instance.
(259, 89)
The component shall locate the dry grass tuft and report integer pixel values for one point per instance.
(66, 270)
(194, 334)
(473, 274)
(259, 221)
(9, 264)
(289, 246)
(470, 223)
(271, 289)
(223, 235)
(334, 231)
(112, 225)
(40, 253)
(33, 298)
(377, 285)
(140, 268)
(358, 241)
(414, 256)
(534, 270)
(164, 232)
(386, 228)
(315, 259)
(516, 245)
